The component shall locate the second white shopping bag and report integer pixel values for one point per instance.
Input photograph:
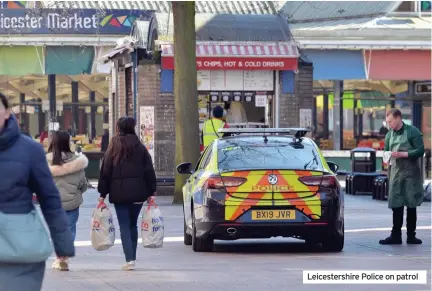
(152, 226)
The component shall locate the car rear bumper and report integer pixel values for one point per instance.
(232, 231)
(212, 223)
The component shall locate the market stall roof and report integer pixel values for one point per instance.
(301, 11)
(228, 27)
(389, 32)
(292, 10)
(234, 7)
(238, 49)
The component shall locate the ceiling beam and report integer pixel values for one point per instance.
(87, 81)
(68, 79)
(7, 79)
(29, 88)
(12, 88)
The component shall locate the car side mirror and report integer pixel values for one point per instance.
(333, 167)
(185, 169)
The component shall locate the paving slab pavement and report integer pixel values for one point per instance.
(275, 264)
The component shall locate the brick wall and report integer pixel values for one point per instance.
(149, 95)
(129, 91)
(121, 93)
(290, 104)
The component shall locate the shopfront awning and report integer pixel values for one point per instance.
(336, 64)
(398, 64)
(59, 60)
(239, 56)
(69, 60)
(21, 60)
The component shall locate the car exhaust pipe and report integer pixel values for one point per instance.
(231, 230)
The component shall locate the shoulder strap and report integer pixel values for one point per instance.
(214, 128)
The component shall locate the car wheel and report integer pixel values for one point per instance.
(187, 238)
(200, 245)
(334, 242)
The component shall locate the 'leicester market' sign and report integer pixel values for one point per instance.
(238, 63)
(69, 21)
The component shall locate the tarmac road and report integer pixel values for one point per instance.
(275, 264)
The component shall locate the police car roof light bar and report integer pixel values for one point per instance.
(297, 132)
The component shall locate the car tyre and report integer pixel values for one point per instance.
(187, 238)
(200, 245)
(334, 242)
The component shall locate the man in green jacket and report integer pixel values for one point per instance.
(405, 142)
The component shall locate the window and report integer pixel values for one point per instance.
(202, 162)
(206, 159)
(277, 153)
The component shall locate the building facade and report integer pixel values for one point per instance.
(267, 78)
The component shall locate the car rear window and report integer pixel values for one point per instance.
(256, 154)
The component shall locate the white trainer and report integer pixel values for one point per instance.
(129, 266)
(60, 265)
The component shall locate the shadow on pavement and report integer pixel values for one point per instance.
(266, 247)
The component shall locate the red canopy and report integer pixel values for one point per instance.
(398, 64)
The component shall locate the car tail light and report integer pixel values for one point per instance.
(321, 181)
(217, 182)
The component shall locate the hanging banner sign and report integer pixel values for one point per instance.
(238, 63)
(69, 21)
(147, 129)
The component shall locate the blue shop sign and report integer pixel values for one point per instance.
(69, 21)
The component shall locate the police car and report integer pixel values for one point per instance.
(262, 183)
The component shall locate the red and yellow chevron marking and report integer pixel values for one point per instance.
(242, 198)
(257, 191)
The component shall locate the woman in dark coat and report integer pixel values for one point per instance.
(24, 171)
(128, 176)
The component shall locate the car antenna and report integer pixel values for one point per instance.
(265, 137)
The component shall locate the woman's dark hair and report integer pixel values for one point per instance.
(4, 101)
(120, 148)
(60, 143)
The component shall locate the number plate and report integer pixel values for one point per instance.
(273, 214)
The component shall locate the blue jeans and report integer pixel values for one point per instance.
(72, 216)
(127, 215)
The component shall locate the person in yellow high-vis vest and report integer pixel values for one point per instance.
(211, 126)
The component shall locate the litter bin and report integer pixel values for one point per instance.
(363, 160)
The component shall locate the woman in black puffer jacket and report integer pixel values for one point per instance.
(128, 176)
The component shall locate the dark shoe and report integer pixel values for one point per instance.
(411, 227)
(391, 240)
(395, 237)
(412, 240)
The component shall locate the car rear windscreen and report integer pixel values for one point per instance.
(235, 155)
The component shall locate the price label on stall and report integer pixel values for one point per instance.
(260, 100)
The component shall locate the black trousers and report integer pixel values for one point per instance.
(411, 221)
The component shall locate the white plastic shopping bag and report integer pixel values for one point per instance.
(102, 234)
(152, 226)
